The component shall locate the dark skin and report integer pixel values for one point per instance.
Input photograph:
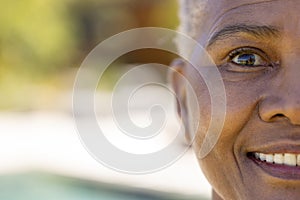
(256, 47)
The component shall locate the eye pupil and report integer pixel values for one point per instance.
(246, 59)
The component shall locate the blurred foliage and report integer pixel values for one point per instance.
(43, 42)
(34, 36)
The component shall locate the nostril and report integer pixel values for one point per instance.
(275, 109)
(278, 116)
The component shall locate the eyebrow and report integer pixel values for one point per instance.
(254, 30)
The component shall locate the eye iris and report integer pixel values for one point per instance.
(246, 59)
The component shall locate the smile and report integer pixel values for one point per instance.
(288, 159)
(280, 165)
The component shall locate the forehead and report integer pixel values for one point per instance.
(260, 12)
(221, 6)
(217, 8)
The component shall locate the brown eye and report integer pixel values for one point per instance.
(248, 59)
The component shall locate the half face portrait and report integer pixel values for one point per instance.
(255, 45)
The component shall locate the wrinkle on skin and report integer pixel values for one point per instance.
(227, 6)
(263, 108)
(253, 30)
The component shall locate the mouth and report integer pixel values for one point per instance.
(280, 165)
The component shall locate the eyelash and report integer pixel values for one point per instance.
(265, 62)
(247, 50)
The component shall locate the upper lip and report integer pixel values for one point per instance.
(281, 138)
(283, 146)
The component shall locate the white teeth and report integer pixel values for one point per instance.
(269, 158)
(290, 159)
(279, 158)
(262, 157)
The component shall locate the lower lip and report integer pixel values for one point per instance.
(279, 171)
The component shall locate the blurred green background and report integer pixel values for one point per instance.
(42, 45)
(43, 42)
(41, 186)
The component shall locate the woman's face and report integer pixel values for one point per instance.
(256, 46)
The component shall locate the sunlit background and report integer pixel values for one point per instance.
(42, 45)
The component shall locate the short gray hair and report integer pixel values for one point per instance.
(190, 14)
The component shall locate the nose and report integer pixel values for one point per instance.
(274, 108)
(283, 100)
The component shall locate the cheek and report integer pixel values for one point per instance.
(220, 166)
(241, 104)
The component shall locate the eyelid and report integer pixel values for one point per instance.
(238, 51)
(249, 50)
(231, 66)
(244, 68)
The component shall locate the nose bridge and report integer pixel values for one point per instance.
(283, 97)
